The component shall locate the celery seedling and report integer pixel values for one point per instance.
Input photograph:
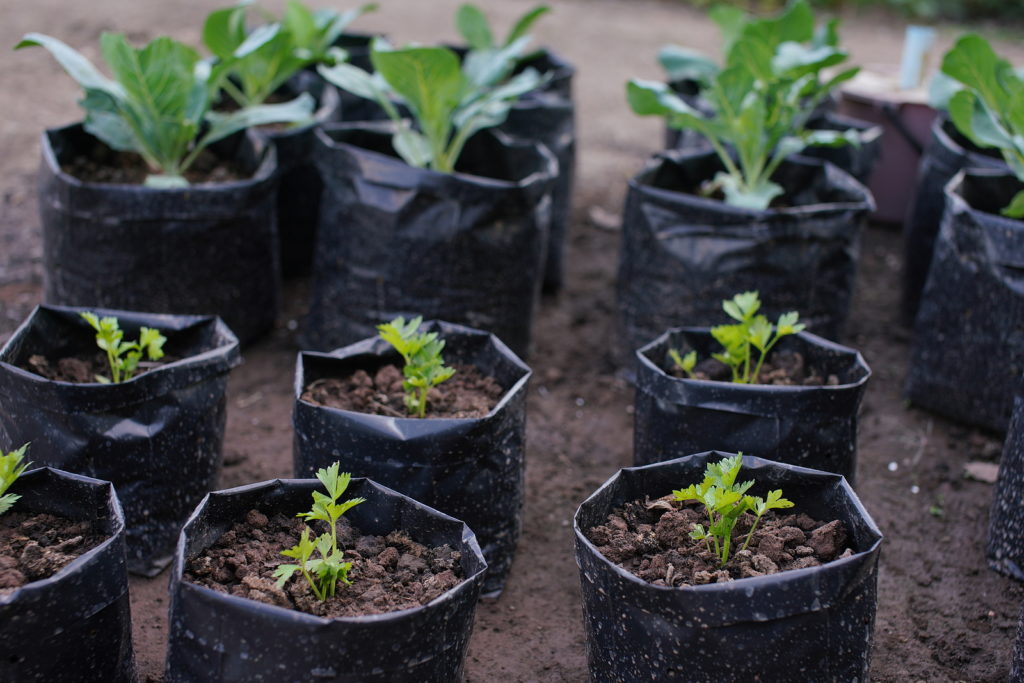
(725, 501)
(123, 357)
(424, 367)
(11, 467)
(322, 573)
(750, 332)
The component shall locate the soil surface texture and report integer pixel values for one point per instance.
(37, 546)
(466, 394)
(652, 540)
(388, 573)
(104, 165)
(780, 369)
(942, 614)
(81, 370)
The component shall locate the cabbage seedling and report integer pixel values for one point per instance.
(321, 573)
(11, 467)
(488, 62)
(157, 104)
(123, 357)
(751, 331)
(424, 367)
(725, 502)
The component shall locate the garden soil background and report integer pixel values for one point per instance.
(942, 615)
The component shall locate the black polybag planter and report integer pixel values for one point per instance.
(214, 636)
(396, 240)
(1005, 550)
(472, 469)
(1017, 662)
(207, 249)
(813, 624)
(968, 352)
(156, 437)
(75, 625)
(299, 189)
(810, 426)
(682, 254)
(947, 152)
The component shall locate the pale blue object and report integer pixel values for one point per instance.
(916, 43)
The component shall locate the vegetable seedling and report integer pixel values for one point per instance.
(424, 367)
(488, 62)
(11, 467)
(252, 65)
(157, 104)
(760, 102)
(751, 331)
(989, 109)
(725, 502)
(321, 573)
(446, 103)
(123, 356)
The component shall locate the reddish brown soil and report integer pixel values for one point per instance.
(466, 394)
(104, 165)
(780, 369)
(37, 546)
(81, 370)
(942, 615)
(652, 540)
(388, 573)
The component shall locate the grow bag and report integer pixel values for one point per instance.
(1006, 520)
(75, 625)
(472, 469)
(207, 249)
(946, 154)
(298, 194)
(156, 437)
(396, 240)
(810, 426)
(968, 351)
(214, 636)
(682, 254)
(813, 624)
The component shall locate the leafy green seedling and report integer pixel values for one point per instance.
(11, 467)
(424, 367)
(760, 101)
(751, 331)
(447, 104)
(252, 65)
(488, 62)
(321, 573)
(989, 109)
(157, 104)
(725, 502)
(123, 357)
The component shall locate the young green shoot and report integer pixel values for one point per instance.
(487, 61)
(750, 331)
(322, 573)
(124, 356)
(725, 502)
(11, 467)
(424, 367)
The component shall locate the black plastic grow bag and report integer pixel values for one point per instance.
(813, 624)
(968, 350)
(207, 249)
(810, 426)
(1005, 549)
(472, 469)
(156, 437)
(397, 240)
(682, 254)
(946, 154)
(214, 636)
(75, 625)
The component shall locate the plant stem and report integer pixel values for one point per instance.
(750, 534)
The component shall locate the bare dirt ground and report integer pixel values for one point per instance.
(943, 616)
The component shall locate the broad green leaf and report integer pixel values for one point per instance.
(301, 24)
(730, 22)
(259, 38)
(77, 66)
(684, 64)
(224, 29)
(760, 332)
(352, 79)
(525, 22)
(103, 119)
(473, 27)
(973, 119)
(491, 66)
(1016, 207)
(299, 110)
(795, 59)
(973, 62)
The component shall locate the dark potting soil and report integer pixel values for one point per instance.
(81, 369)
(468, 394)
(37, 546)
(780, 369)
(388, 573)
(104, 165)
(652, 540)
